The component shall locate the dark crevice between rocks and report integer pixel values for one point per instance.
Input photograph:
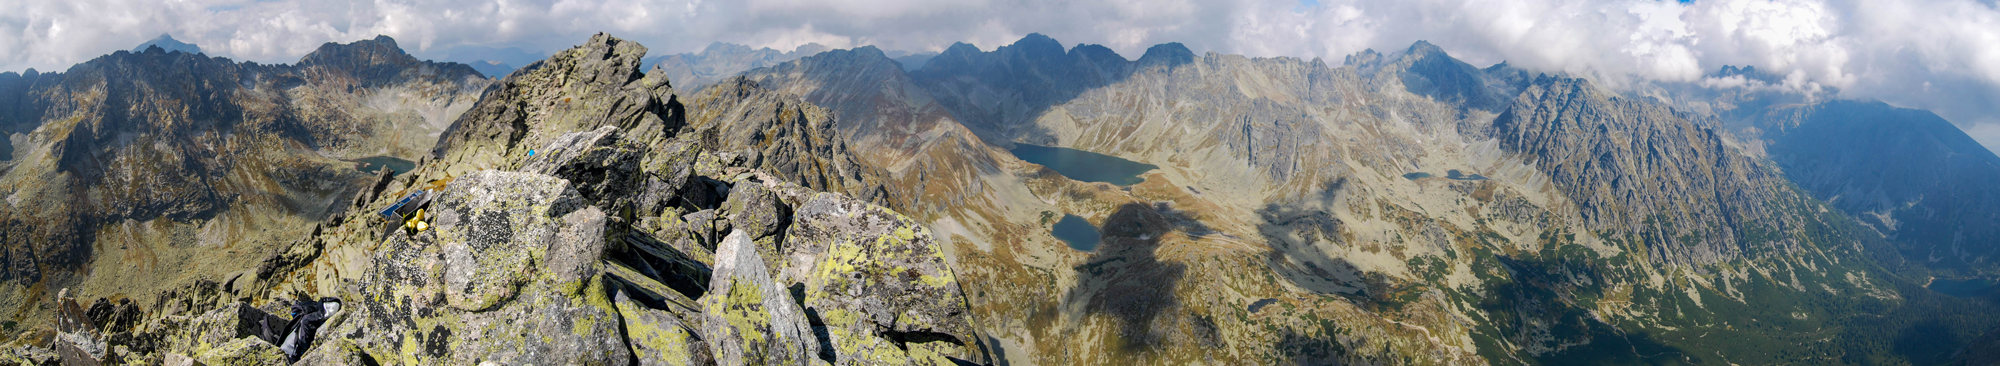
(904, 339)
(660, 261)
(640, 295)
(826, 353)
(611, 291)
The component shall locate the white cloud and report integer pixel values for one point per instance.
(1942, 55)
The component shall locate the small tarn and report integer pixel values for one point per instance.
(1975, 287)
(1079, 233)
(377, 163)
(1449, 174)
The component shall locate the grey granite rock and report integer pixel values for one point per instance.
(660, 337)
(601, 164)
(750, 319)
(879, 282)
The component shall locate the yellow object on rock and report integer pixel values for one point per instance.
(416, 221)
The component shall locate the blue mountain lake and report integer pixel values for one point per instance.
(1079, 233)
(394, 165)
(1963, 288)
(1084, 165)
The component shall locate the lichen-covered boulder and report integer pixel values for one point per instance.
(750, 319)
(494, 225)
(243, 352)
(336, 352)
(221, 326)
(880, 283)
(659, 337)
(511, 274)
(30, 356)
(756, 211)
(667, 168)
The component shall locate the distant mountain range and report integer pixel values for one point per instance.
(135, 171)
(1399, 207)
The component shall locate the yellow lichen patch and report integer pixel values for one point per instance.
(854, 340)
(668, 342)
(744, 309)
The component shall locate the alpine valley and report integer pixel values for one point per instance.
(1034, 204)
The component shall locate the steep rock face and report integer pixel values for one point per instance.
(161, 165)
(1907, 173)
(784, 135)
(1636, 167)
(927, 161)
(602, 157)
(583, 88)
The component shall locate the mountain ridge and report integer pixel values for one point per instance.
(1403, 208)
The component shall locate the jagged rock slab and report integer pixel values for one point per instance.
(660, 337)
(791, 138)
(749, 318)
(879, 282)
(579, 89)
(601, 164)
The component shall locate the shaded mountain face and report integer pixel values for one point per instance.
(155, 165)
(1905, 173)
(1885, 166)
(1305, 213)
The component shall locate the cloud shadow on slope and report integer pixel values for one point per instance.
(1127, 281)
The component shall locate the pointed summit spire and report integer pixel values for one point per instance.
(167, 43)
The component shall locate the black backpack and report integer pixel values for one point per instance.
(297, 337)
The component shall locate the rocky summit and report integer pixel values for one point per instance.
(574, 216)
(849, 208)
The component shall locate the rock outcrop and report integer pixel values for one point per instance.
(621, 240)
(749, 318)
